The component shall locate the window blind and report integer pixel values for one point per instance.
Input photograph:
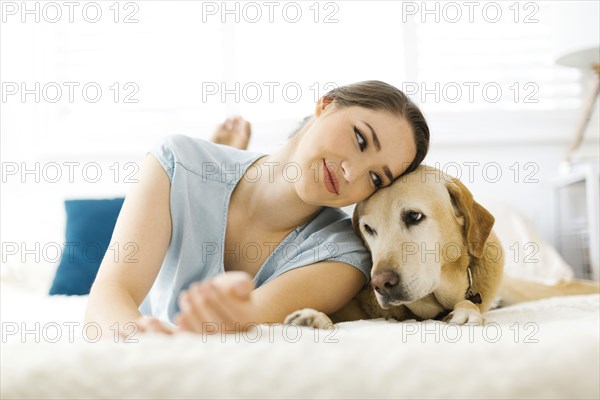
(502, 57)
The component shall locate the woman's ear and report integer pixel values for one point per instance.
(322, 104)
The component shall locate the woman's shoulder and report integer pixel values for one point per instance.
(200, 156)
(191, 148)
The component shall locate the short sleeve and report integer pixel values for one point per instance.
(165, 152)
(203, 158)
(340, 243)
(328, 237)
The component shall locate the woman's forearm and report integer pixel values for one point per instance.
(111, 307)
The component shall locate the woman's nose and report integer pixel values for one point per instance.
(351, 171)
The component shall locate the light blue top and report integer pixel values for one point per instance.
(203, 175)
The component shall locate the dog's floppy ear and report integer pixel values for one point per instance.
(478, 221)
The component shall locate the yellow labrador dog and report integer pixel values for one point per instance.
(435, 256)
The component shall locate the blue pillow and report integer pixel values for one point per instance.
(90, 224)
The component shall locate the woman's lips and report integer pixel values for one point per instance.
(331, 182)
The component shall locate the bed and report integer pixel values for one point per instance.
(543, 349)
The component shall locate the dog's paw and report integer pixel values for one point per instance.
(463, 316)
(309, 317)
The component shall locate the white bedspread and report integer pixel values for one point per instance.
(544, 349)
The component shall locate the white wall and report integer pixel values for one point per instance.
(170, 54)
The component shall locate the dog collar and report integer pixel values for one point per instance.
(474, 298)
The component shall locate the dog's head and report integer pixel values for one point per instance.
(422, 224)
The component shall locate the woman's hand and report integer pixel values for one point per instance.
(221, 304)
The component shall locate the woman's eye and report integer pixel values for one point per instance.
(362, 143)
(369, 230)
(376, 180)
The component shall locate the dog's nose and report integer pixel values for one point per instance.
(385, 282)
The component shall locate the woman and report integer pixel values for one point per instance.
(211, 222)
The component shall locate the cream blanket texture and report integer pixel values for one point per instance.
(544, 349)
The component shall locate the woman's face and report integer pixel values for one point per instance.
(350, 152)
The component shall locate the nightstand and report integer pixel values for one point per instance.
(577, 219)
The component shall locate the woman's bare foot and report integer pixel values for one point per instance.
(234, 132)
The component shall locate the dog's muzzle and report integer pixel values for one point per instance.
(389, 291)
(385, 285)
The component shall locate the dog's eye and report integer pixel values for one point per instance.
(369, 230)
(413, 217)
